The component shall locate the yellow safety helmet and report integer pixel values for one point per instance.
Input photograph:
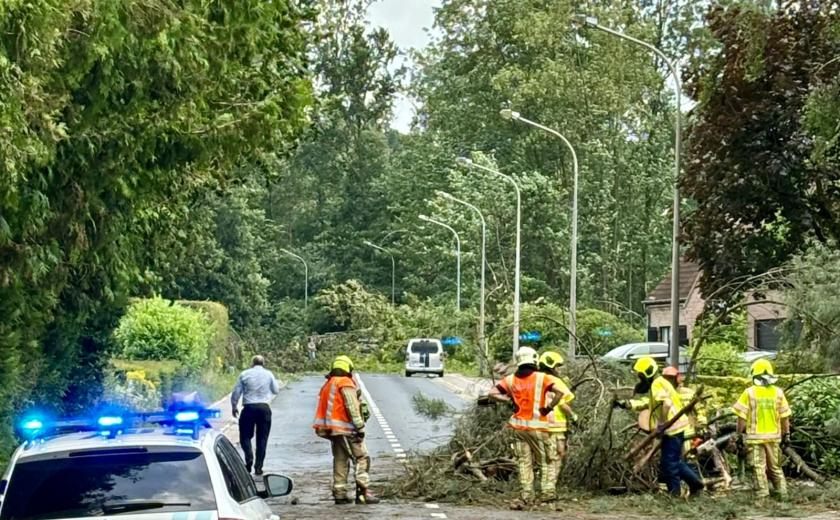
(646, 366)
(342, 363)
(526, 356)
(762, 367)
(551, 359)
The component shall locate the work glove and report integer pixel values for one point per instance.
(360, 435)
(365, 411)
(660, 429)
(545, 411)
(235, 412)
(574, 418)
(739, 441)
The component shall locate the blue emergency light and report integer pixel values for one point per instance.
(185, 417)
(108, 421)
(32, 425)
(183, 421)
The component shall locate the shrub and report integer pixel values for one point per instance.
(720, 359)
(156, 329)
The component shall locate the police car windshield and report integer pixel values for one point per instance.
(84, 484)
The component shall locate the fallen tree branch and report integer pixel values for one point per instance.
(659, 432)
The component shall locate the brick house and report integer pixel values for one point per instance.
(762, 319)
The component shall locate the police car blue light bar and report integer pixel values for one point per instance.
(182, 421)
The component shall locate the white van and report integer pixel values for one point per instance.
(424, 356)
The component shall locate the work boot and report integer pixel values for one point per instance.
(342, 501)
(366, 496)
(258, 472)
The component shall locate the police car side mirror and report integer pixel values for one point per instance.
(278, 485)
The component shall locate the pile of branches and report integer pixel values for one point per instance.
(480, 450)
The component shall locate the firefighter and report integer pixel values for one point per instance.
(562, 416)
(764, 417)
(527, 389)
(339, 419)
(663, 402)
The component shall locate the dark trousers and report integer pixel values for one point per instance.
(254, 417)
(674, 468)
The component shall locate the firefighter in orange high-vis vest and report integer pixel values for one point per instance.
(562, 416)
(764, 415)
(339, 418)
(663, 402)
(527, 389)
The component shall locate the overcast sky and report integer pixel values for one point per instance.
(407, 21)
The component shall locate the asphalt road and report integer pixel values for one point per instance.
(394, 429)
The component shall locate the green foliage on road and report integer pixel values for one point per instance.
(157, 329)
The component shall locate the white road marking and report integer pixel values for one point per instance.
(431, 506)
(438, 515)
(383, 423)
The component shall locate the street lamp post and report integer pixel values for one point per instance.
(393, 267)
(515, 116)
(457, 257)
(482, 338)
(305, 276)
(675, 237)
(464, 161)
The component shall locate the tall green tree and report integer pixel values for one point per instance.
(609, 98)
(761, 166)
(116, 113)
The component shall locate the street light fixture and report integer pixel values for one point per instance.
(305, 276)
(468, 163)
(482, 338)
(393, 267)
(512, 115)
(674, 340)
(457, 257)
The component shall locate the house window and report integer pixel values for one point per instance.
(665, 335)
(767, 334)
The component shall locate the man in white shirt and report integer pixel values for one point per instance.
(257, 387)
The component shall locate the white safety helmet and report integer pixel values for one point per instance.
(526, 356)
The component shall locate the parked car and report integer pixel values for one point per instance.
(424, 356)
(752, 356)
(633, 351)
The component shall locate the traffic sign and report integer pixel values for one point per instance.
(531, 336)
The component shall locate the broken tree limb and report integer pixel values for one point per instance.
(659, 432)
(645, 460)
(802, 466)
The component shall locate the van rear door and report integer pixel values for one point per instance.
(425, 354)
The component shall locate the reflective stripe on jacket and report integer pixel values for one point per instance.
(332, 413)
(557, 420)
(528, 393)
(763, 408)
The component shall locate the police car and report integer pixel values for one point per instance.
(163, 466)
